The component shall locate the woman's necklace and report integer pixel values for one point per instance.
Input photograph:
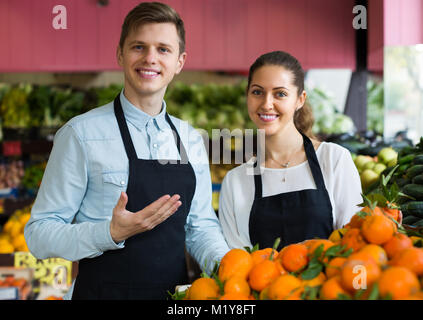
(285, 165)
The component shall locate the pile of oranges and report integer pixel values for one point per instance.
(12, 235)
(371, 258)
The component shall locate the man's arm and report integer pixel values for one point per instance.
(204, 237)
(50, 232)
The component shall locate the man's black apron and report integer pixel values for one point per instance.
(292, 216)
(152, 262)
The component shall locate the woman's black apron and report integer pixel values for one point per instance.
(152, 262)
(292, 216)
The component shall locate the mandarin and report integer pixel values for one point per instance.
(237, 284)
(204, 289)
(411, 258)
(284, 287)
(294, 257)
(378, 229)
(377, 252)
(235, 262)
(398, 282)
(333, 268)
(332, 288)
(353, 239)
(263, 254)
(397, 243)
(262, 274)
(359, 274)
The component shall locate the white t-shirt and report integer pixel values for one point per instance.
(341, 178)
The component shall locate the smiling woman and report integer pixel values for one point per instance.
(295, 194)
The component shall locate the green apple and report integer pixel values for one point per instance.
(368, 177)
(369, 165)
(361, 160)
(387, 156)
(379, 168)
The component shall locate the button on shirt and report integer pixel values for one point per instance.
(88, 169)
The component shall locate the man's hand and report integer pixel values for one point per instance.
(125, 224)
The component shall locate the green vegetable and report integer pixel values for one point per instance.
(418, 159)
(414, 170)
(413, 190)
(418, 179)
(414, 208)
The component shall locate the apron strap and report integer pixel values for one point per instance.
(313, 162)
(124, 131)
(126, 136)
(179, 144)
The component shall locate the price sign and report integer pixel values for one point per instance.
(56, 272)
(12, 148)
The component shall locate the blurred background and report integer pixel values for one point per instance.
(363, 63)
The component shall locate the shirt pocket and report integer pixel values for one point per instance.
(113, 184)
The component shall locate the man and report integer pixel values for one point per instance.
(110, 199)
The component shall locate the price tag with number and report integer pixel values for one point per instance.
(56, 272)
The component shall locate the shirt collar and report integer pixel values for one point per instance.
(139, 118)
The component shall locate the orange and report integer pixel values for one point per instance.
(23, 219)
(316, 281)
(19, 241)
(235, 262)
(6, 247)
(393, 213)
(234, 296)
(263, 274)
(353, 240)
(15, 229)
(204, 289)
(378, 229)
(398, 282)
(263, 254)
(294, 257)
(284, 287)
(337, 235)
(359, 274)
(331, 289)
(314, 245)
(237, 284)
(397, 243)
(411, 258)
(358, 219)
(377, 252)
(333, 268)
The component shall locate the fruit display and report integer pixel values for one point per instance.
(12, 237)
(408, 179)
(370, 168)
(22, 285)
(371, 258)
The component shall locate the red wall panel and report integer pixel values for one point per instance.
(221, 34)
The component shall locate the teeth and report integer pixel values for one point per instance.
(150, 73)
(268, 117)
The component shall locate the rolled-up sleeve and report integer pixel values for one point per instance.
(204, 237)
(51, 231)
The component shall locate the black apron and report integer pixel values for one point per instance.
(152, 262)
(292, 216)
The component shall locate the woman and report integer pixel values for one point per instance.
(305, 188)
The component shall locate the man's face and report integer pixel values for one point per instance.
(150, 58)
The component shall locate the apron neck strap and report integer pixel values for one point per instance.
(313, 162)
(126, 137)
(124, 131)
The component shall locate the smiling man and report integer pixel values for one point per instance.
(108, 200)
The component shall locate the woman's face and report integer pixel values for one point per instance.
(272, 98)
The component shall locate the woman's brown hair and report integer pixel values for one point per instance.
(303, 118)
(152, 12)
